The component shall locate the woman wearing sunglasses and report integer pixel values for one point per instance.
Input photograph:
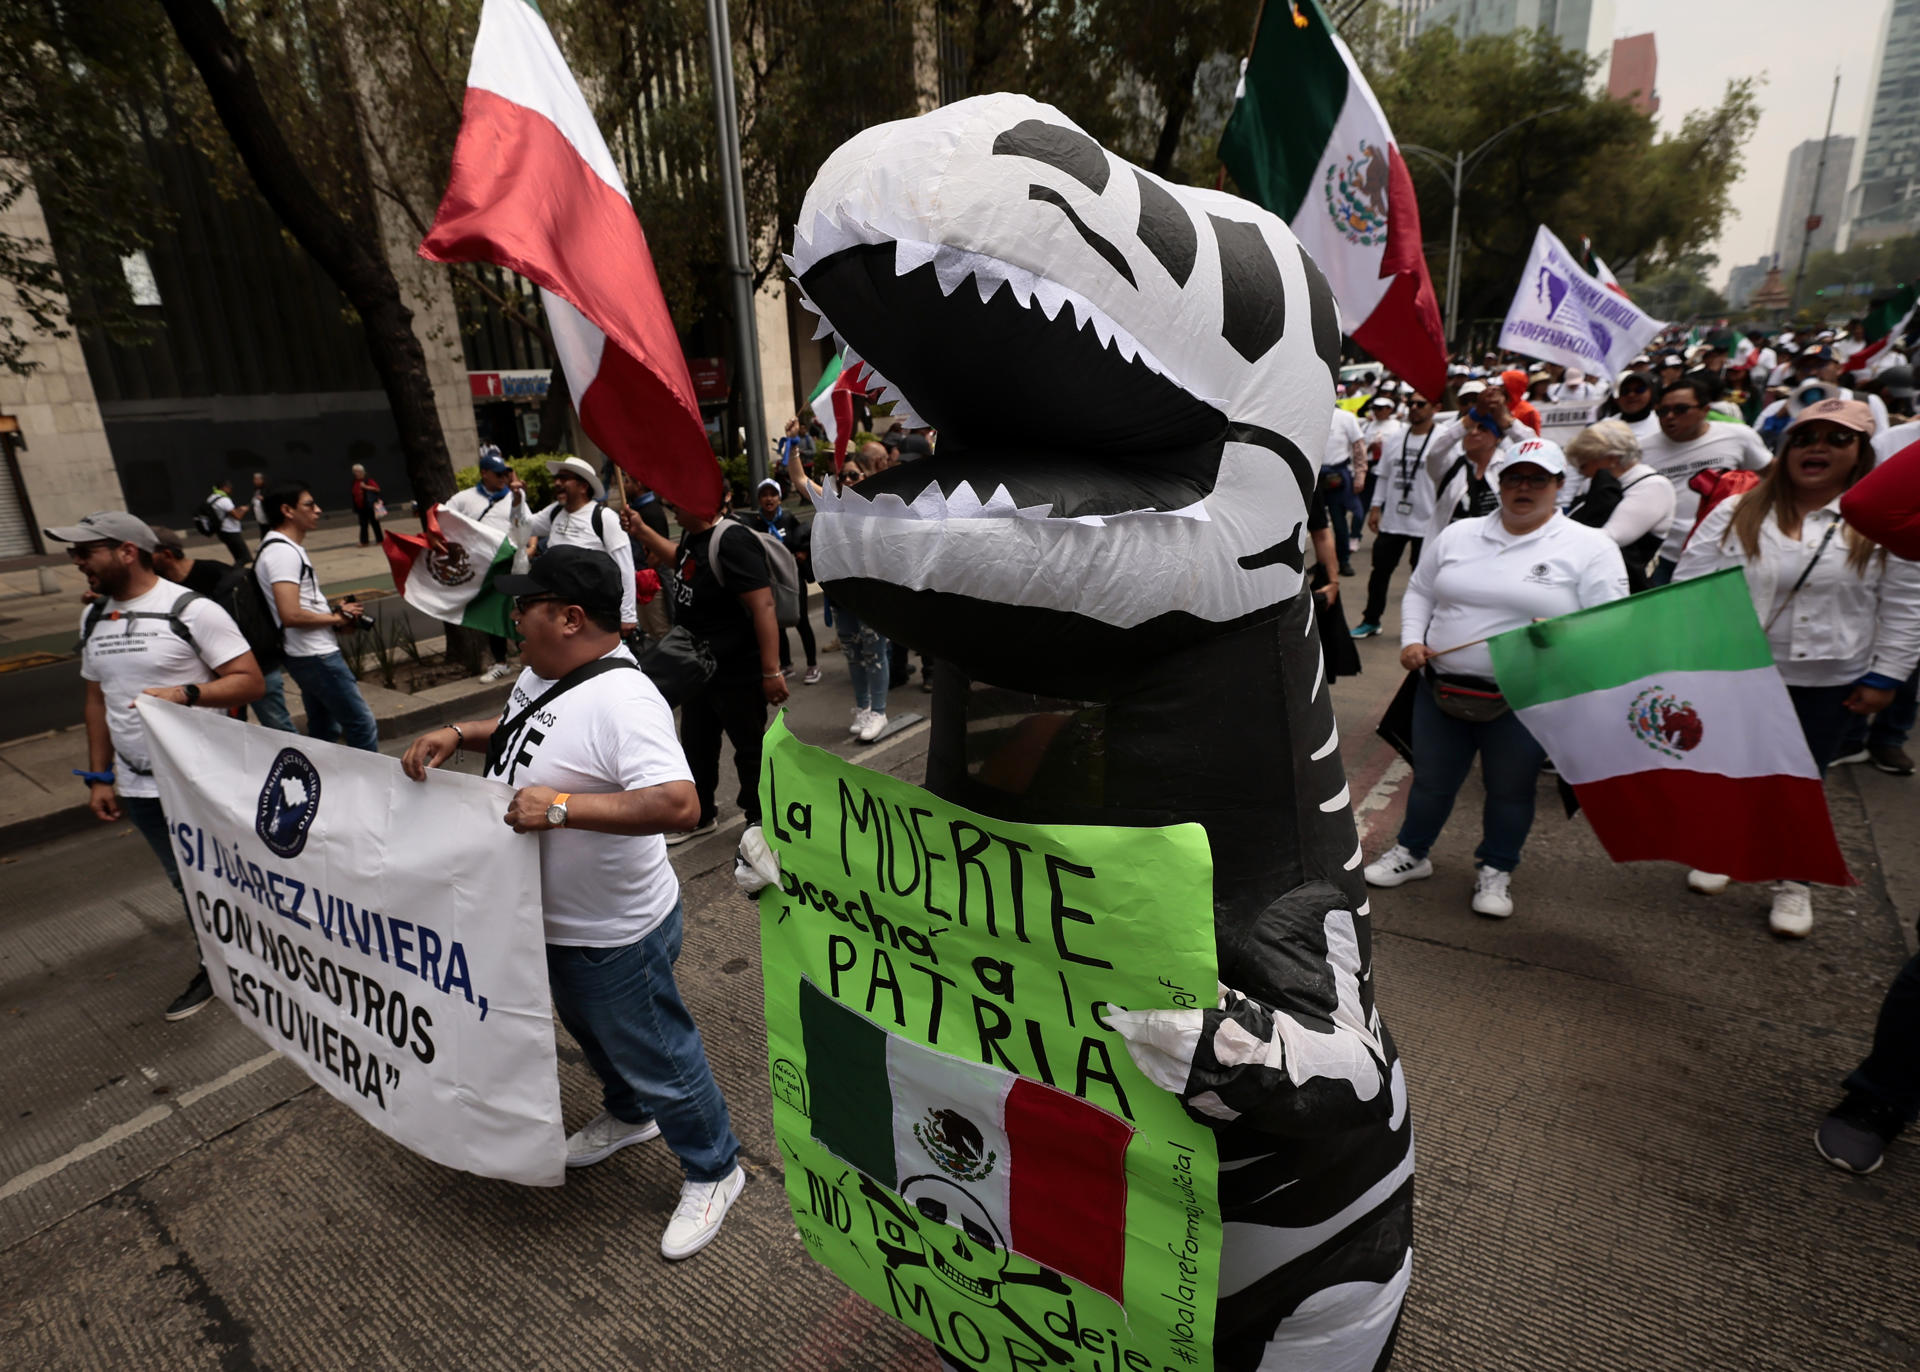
(1482, 576)
(1842, 616)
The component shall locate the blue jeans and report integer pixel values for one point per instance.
(336, 711)
(1443, 749)
(624, 1009)
(869, 662)
(1824, 719)
(1891, 1073)
(144, 813)
(1891, 727)
(271, 708)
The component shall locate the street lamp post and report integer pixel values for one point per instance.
(1459, 166)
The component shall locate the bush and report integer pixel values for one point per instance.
(532, 470)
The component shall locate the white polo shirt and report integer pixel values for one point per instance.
(128, 655)
(611, 734)
(1475, 579)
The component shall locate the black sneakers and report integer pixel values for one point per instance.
(199, 991)
(1855, 1136)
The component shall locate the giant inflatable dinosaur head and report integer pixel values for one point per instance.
(1131, 382)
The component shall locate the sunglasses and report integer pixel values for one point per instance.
(1831, 438)
(1532, 480)
(1674, 411)
(1419, 404)
(80, 552)
(522, 603)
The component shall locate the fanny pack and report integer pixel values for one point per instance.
(1469, 698)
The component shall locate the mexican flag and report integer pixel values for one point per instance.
(535, 190)
(1666, 715)
(1598, 270)
(832, 402)
(454, 585)
(1045, 1169)
(1889, 321)
(1308, 141)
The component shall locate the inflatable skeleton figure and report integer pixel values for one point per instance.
(1132, 384)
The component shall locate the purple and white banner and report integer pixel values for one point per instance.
(1562, 314)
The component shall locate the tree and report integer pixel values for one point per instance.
(1679, 291)
(1597, 168)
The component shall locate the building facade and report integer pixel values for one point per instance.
(1742, 282)
(1583, 24)
(1885, 200)
(1633, 71)
(1815, 189)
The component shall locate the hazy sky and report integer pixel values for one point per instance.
(1794, 49)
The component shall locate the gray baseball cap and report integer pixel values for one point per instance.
(110, 526)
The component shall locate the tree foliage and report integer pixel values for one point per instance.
(1596, 168)
(1844, 282)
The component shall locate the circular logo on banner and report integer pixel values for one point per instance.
(450, 568)
(1664, 723)
(288, 803)
(1356, 194)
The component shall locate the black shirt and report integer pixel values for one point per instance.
(205, 574)
(714, 612)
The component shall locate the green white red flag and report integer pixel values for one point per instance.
(454, 584)
(1666, 715)
(1308, 141)
(1891, 321)
(534, 189)
(832, 401)
(1048, 1170)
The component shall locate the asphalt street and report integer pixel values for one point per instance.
(1614, 1095)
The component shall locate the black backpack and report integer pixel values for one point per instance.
(599, 519)
(204, 519)
(239, 594)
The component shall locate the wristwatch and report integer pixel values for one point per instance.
(557, 812)
(192, 693)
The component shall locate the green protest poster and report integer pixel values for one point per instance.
(966, 1143)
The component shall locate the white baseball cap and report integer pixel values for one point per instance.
(1471, 388)
(1543, 453)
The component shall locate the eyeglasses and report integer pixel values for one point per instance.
(1419, 404)
(1830, 437)
(1532, 480)
(1674, 411)
(521, 603)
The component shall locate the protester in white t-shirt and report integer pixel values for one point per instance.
(1575, 388)
(146, 636)
(1688, 443)
(1623, 497)
(580, 518)
(1480, 577)
(589, 744)
(226, 513)
(336, 711)
(498, 501)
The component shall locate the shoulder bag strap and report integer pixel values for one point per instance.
(504, 732)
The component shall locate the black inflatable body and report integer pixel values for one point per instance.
(1132, 384)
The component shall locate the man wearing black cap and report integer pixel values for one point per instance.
(588, 743)
(145, 636)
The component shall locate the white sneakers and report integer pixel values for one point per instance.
(1706, 883)
(860, 714)
(1490, 896)
(703, 1205)
(1396, 867)
(603, 1136)
(875, 726)
(1792, 913)
(498, 672)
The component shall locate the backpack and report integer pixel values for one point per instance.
(98, 611)
(783, 573)
(204, 519)
(239, 593)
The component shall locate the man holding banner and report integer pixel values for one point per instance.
(590, 743)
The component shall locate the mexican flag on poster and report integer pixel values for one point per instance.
(1666, 715)
(454, 585)
(1308, 141)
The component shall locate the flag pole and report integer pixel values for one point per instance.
(733, 202)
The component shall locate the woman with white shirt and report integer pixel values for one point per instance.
(1842, 616)
(1480, 577)
(1625, 499)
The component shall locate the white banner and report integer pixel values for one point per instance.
(384, 934)
(1561, 422)
(1561, 314)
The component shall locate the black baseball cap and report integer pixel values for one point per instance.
(586, 577)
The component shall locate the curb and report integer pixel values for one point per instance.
(74, 819)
